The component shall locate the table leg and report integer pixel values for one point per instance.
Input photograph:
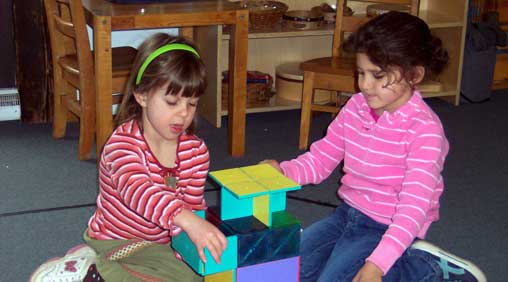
(187, 32)
(103, 84)
(238, 47)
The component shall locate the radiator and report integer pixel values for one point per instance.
(10, 108)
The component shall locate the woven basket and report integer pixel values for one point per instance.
(258, 94)
(264, 14)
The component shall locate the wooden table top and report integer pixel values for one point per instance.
(107, 8)
(164, 14)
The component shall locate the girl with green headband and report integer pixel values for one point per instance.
(152, 174)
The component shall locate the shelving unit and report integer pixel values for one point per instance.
(270, 48)
(448, 21)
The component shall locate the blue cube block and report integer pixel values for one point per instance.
(258, 243)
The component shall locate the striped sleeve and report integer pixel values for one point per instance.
(194, 165)
(420, 191)
(133, 181)
(322, 158)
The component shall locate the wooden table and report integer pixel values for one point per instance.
(105, 17)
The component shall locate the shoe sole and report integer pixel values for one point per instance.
(82, 249)
(42, 267)
(440, 253)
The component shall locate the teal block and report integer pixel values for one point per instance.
(229, 258)
(233, 207)
(277, 202)
(200, 213)
(184, 246)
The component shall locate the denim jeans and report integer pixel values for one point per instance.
(335, 248)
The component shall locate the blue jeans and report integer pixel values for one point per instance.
(335, 248)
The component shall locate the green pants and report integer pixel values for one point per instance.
(138, 260)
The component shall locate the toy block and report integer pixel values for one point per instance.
(235, 207)
(256, 242)
(285, 270)
(285, 236)
(185, 247)
(261, 209)
(252, 236)
(226, 276)
(257, 190)
(278, 201)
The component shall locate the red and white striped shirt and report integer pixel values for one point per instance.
(392, 169)
(134, 200)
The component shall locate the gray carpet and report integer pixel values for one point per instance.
(47, 195)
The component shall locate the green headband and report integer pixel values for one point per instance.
(161, 50)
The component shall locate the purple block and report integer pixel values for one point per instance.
(284, 270)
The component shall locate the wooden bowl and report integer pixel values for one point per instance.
(303, 19)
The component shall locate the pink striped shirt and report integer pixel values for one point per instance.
(392, 169)
(134, 200)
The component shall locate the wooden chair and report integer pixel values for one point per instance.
(335, 73)
(73, 69)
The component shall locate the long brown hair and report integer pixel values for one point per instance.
(181, 69)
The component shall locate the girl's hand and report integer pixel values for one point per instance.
(203, 234)
(369, 273)
(273, 163)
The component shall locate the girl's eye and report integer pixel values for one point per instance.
(171, 102)
(193, 103)
(379, 75)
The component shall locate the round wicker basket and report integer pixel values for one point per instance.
(264, 14)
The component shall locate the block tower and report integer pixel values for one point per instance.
(263, 239)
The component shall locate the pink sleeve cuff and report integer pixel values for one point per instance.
(287, 170)
(384, 256)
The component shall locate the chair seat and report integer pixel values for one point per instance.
(344, 66)
(122, 58)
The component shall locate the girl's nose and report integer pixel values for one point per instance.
(363, 84)
(183, 109)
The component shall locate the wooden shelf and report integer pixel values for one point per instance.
(439, 20)
(280, 31)
(428, 89)
(402, 2)
(270, 108)
(270, 48)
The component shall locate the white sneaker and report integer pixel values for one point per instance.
(73, 267)
(455, 269)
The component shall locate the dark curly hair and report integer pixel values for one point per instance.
(400, 40)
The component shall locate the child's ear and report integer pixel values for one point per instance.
(140, 98)
(419, 74)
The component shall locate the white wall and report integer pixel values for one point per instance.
(131, 37)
